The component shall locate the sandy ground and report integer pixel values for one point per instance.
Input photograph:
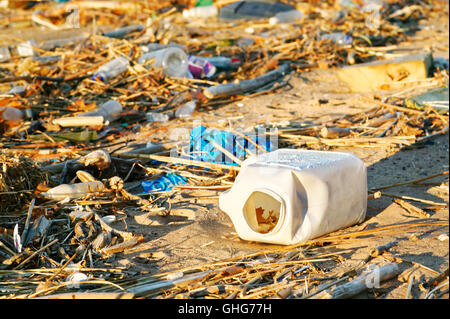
(198, 232)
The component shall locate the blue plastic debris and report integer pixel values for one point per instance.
(163, 183)
(201, 147)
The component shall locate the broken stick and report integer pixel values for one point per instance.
(229, 89)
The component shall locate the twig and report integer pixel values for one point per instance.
(414, 199)
(35, 253)
(178, 160)
(426, 138)
(410, 182)
(390, 106)
(245, 86)
(410, 284)
(411, 208)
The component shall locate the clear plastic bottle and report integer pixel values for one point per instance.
(186, 110)
(122, 32)
(290, 16)
(11, 114)
(109, 110)
(201, 12)
(112, 69)
(72, 191)
(338, 38)
(172, 60)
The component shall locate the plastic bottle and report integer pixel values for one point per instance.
(122, 32)
(172, 60)
(200, 68)
(73, 191)
(186, 110)
(19, 90)
(290, 16)
(291, 196)
(156, 117)
(338, 38)
(61, 42)
(112, 69)
(109, 110)
(201, 12)
(11, 114)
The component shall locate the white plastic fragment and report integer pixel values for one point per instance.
(73, 191)
(75, 279)
(17, 239)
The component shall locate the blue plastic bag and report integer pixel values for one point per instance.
(163, 183)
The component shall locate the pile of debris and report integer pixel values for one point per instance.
(83, 95)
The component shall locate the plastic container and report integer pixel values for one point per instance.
(291, 196)
(109, 110)
(290, 16)
(253, 9)
(112, 69)
(11, 114)
(200, 68)
(201, 12)
(338, 38)
(73, 191)
(172, 60)
(186, 110)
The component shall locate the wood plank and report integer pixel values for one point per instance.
(380, 75)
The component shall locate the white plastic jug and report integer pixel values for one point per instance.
(291, 196)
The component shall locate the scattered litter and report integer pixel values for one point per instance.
(117, 117)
